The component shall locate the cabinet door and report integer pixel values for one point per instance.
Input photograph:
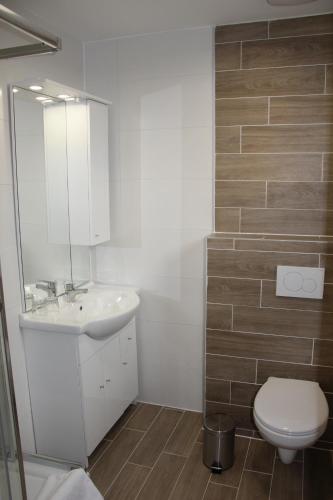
(112, 381)
(99, 172)
(93, 389)
(128, 356)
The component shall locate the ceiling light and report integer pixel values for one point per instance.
(40, 98)
(15, 90)
(35, 87)
(63, 96)
(288, 2)
(47, 101)
(69, 98)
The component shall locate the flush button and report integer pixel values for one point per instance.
(305, 282)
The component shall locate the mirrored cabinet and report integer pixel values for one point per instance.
(61, 146)
(87, 172)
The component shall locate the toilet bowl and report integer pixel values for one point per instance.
(290, 414)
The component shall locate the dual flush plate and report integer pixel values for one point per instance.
(302, 282)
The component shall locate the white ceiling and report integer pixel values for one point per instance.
(89, 20)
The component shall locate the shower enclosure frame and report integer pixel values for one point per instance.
(11, 391)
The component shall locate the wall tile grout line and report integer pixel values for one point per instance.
(254, 68)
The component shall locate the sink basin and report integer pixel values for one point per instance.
(103, 311)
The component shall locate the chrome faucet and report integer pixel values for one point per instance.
(48, 286)
(71, 291)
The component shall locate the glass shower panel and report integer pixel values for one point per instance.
(12, 486)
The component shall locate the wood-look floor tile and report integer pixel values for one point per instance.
(128, 413)
(220, 492)
(193, 480)
(282, 221)
(292, 323)
(262, 167)
(329, 79)
(242, 111)
(243, 394)
(247, 345)
(286, 139)
(301, 109)
(328, 434)
(227, 56)
(240, 194)
(256, 265)
(242, 415)
(309, 25)
(287, 481)
(326, 261)
(270, 82)
(220, 243)
(254, 486)
(227, 368)
(270, 299)
(318, 475)
(321, 374)
(156, 438)
(270, 245)
(227, 219)
(143, 417)
(234, 291)
(227, 140)
(97, 453)
(114, 458)
(162, 478)
(329, 398)
(243, 31)
(328, 167)
(218, 390)
(260, 457)
(323, 352)
(183, 437)
(128, 483)
(219, 316)
(308, 195)
(232, 476)
(294, 51)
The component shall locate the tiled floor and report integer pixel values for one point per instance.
(155, 453)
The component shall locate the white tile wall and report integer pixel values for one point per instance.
(161, 196)
(65, 67)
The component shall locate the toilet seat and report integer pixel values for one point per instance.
(282, 432)
(291, 407)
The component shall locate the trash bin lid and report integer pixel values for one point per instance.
(219, 422)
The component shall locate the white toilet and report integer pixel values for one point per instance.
(290, 414)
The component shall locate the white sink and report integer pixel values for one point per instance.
(101, 312)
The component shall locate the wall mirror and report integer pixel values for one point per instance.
(60, 145)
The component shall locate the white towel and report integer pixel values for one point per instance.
(74, 485)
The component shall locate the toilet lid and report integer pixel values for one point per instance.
(291, 406)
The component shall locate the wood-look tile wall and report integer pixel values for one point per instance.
(253, 334)
(274, 127)
(273, 206)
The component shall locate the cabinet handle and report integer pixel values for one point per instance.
(108, 380)
(101, 386)
(125, 363)
(129, 338)
(97, 235)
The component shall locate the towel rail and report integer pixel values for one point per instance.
(47, 43)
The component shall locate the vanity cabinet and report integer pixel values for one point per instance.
(87, 175)
(79, 387)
